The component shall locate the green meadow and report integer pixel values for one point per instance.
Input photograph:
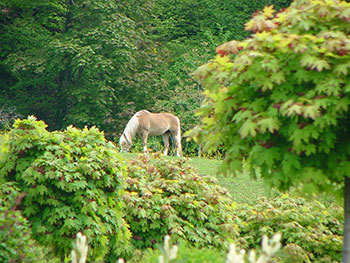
(242, 187)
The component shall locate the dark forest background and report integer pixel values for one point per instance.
(85, 62)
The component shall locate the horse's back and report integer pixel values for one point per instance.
(158, 122)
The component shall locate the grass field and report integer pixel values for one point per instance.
(242, 188)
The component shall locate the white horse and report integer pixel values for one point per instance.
(147, 124)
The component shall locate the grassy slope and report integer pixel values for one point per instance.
(241, 187)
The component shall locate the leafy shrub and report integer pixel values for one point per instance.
(311, 231)
(72, 181)
(167, 197)
(16, 244)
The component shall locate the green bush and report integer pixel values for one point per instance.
(311, 231)
(72, 181)
(16, 244)
(168, 197)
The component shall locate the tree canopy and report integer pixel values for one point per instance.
(77, 62)
(281, 97)
(97, 62)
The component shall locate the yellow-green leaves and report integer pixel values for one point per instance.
(291, 109)
(251, 128)
(312, 62)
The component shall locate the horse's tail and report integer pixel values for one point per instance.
(179, 146)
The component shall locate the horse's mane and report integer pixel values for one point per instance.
(133, 125)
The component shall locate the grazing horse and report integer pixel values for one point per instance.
(147, 124)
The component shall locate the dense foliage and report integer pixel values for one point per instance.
(281, 98)
(16, 244)
(87, 62)
(70, 181)
(77, 62)
(311, 231)
(168, 197)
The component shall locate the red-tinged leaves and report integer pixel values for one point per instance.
(261, 21)
(312, 62)
(345, 15)
(228, 48)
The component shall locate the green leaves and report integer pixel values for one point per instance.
(248, 128)
(166, 196)
(269, 124)
(312, 62)
(284, 91)
(72, 179)
(293, 217)
(16, 243)
(78, 62)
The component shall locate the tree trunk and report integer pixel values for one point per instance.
(346, 242)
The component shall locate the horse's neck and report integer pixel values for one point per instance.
(131, 128)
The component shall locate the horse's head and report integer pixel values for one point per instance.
(124, 143)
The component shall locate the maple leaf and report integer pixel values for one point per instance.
(311, 111)
(270, 124)
(268, 11)
(342, 69)
(278, 77)
(343, 104)
(321, 65)
(259, 24)
(295, 109)
(306, 24)
(231, 47)
(248, 128)
(280, 18)
(308, 60)
(313, 62)
(266, 84)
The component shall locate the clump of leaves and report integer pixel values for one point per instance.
(72, 181)
(282, 96)
(311, 232)
(168, 197)
(16, 244)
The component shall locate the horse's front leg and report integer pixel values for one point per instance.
(144, 142)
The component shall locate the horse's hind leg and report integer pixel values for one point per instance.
(166, 142)
(177, 139)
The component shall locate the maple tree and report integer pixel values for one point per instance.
(281, 99)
